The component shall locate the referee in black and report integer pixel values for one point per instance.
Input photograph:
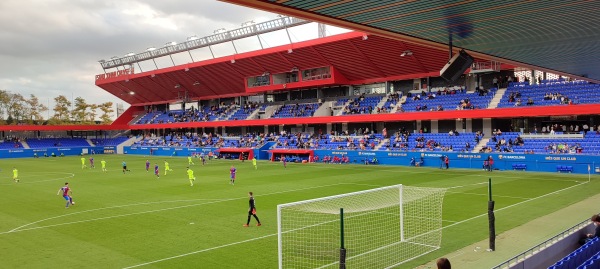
(251, 211)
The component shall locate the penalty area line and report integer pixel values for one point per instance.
(200, 251)
(22, 227)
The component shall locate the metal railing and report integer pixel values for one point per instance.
(532, 251)
(195, 43)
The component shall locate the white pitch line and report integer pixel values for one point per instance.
(448, 226)
(20, 228)
(70, 175)
(513, 205)
(200, 251)
(485, 194)
(105, 208)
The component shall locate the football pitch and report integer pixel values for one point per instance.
(135, 220)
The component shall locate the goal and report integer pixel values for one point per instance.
(377, 228)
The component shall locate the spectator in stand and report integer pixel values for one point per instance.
(443, 263)
(596, 221)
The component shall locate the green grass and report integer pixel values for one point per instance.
(122, 220)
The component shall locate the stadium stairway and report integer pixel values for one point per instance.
(497, 98)
(341, 111)
(480, 145)
(25, 145)
(270, 110)
(325, 109)
(253, 115)
(399, 104)
(230, 114)
(380, 104)
(128, 143)
(90, 142)
(383, 142)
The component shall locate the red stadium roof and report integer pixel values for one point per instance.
(357, 57)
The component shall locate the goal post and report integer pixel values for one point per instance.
(377, 228)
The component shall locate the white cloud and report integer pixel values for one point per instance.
(51, 47)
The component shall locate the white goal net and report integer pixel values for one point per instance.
(382, 228)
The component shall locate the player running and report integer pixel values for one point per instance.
(254, 163)
(232, 171)
(103, 163)
(147, 165)
(66, 192)
(92, 162)
(284, 160)
(190, 160)
(16, 175)
(83, 163)
(167, 168)
(203, 158)
(252, 211)
(156, 170)
(124, 164)
(191, 176)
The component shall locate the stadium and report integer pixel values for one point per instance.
(428, 131)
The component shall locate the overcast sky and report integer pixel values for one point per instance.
(52, 47)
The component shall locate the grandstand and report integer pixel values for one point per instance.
(550, 93)
(303, 101)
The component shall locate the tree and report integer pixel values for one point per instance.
(61, 110)
(35, 109)
(4, 104)
(107, 110)
(16, 108)
(91, 115)
(79, 111)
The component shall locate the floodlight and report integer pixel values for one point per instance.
(194, 37)
(172, 43)
(151, 49)
(187, 69)
(177, 86)
(131, 93)
(129, 54)
(102, 61)
(196, 83)
(290, 50)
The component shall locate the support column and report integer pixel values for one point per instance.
(458, 125)
(328, 128)
(344, 127)
(487, 127)
(418, 126)
(266, 129)
(469, 125)
(434, 126)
